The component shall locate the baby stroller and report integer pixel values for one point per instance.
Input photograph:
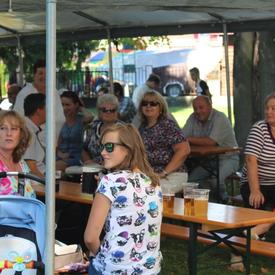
(22, 231)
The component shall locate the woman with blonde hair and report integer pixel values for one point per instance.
(164, 141)
(129, 202)
(14, 140)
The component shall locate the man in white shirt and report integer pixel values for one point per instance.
(7, 103)
(34, 107)
(39, 86)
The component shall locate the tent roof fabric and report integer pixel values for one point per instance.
(88, 19)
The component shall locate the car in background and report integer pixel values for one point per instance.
(175, 80)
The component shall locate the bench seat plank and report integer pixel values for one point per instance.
(181, 232)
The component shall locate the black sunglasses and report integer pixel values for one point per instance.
(149, 103)
(104, 110)
(109, 146)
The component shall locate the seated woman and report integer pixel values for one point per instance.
(107, 106)
(165, 144)
(258, 175)
(129, 202)
(69, 146)
(14, 140)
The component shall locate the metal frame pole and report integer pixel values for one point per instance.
(110, 61)
(225, 41)
(50, 132)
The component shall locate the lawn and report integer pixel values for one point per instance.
(181, 108)
(211, 263)
(181, 114)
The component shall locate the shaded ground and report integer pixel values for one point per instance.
(211, 263)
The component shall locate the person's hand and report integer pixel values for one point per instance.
(256, 199)
(163, 174)
(62, 155)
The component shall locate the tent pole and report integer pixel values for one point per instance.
(50, 132)
(225, 42)
(20, 60)
(110, 61)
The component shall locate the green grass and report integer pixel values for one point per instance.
(181, 109)
(181, 114)
(210, 263)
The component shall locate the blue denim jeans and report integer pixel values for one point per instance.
(92, 270)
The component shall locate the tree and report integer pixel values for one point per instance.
(254, 74)
(69, 55)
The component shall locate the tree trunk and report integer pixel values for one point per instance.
(254, 74)
(242, 84)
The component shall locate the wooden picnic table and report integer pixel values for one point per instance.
(227, 219)
(69, 191)
(203, 155)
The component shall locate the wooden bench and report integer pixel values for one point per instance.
(181, 232)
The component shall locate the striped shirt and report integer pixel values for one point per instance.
(261, 144)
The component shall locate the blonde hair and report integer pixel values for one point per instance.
(154, 96)
(136, 157)
(25, 135)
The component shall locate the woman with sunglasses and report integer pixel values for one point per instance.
(129, 202)
(165, 144)
(107, 107)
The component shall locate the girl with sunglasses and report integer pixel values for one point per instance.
(107, 107)
(164, 141)
(129, 202)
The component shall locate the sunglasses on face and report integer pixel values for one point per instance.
(145, 103)
(109, 146)
(104, 110)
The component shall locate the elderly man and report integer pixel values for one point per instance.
(207, 127)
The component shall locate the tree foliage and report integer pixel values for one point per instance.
(70, 55)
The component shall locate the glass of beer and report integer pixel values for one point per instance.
(201, 197)
(189, 197)
(168, 201)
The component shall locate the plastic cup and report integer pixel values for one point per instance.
(190, 186)
(188, 195)
(201, 197)
(168, 201)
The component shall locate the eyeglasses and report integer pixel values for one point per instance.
(104, 110)
(149, 103)
(109, 146)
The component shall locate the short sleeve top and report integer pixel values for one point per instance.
(132, 240)
(261, 144)
(158, 141)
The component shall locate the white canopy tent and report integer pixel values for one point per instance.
(23, 22)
